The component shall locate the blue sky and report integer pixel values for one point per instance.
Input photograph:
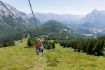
(59, 6)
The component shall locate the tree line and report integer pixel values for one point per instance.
(10, 39)
(89, 46)
(6, 44)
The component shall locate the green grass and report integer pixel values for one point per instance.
(20, 58)
(66, 59)
(17, 57)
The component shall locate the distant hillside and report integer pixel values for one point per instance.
(16, 23)
(94, 19)
(53, 26)
(92, 23)
(57, 30)
(5, 29)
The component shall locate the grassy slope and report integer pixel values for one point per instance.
(20, 58)
(17, 57)
(68, 60)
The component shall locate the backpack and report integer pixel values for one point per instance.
(42, 47)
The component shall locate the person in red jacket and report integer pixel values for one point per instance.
(37, 47)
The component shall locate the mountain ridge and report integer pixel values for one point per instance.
(91, 23)
(15, 22)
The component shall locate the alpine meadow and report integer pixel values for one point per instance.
(52, 35)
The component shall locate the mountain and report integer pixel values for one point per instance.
(95, 19)
(94, 22)
(19, 18)
(53, 26)
(15, 22)
(91, 24)
(57, 30)
(54, 29)
(64, 18)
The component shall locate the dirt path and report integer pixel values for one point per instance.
(39, 63)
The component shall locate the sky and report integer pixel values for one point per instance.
(77, 7)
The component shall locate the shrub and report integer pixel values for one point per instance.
(1, 45)
(48, 45)
(30, 42)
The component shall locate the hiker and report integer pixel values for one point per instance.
(41, 48)
(37, 47)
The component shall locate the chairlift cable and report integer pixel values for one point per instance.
(16, 16)
(7, 8)
(12, 14)
(34, 17)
